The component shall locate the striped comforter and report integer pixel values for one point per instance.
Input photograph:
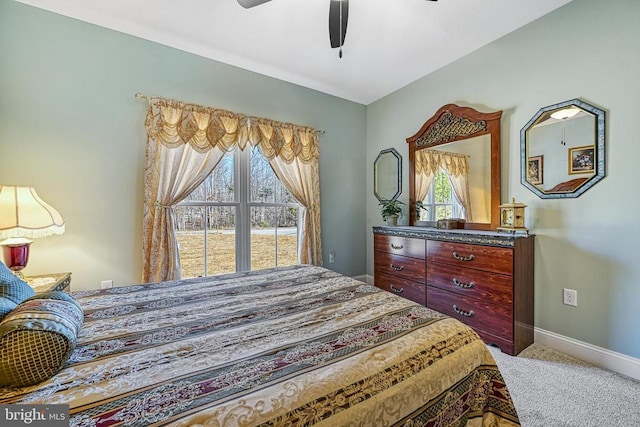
(295, 346)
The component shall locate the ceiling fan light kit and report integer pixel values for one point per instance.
(338, 17)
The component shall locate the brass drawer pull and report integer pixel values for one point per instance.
(397, 246)
(462, 284)
(397, 290)
(463, 258)
(397, 267)
(462, 312)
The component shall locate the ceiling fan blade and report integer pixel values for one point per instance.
(338, 26)
(251, 3)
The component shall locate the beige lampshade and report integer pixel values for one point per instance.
(24, 214)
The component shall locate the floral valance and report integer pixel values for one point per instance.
(173, 123)
(428, 162)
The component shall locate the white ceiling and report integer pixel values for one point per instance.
(389, 43)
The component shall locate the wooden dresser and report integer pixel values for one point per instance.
(482, 278)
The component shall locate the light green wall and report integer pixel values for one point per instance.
(71, 127)
(587, 49)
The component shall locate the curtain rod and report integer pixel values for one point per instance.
(142, 97)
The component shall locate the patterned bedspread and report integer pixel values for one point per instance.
(295, 346)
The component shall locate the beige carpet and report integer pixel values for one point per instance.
(551, 389)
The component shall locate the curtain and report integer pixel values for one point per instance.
(184, 145)
(293, 154)
(427, 163)
(456, 165)
(185, 142)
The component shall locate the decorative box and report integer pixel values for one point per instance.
(450, 224)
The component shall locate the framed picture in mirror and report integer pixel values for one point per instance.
(581, 159)
(535, 165)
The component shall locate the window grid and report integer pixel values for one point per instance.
(240, 194)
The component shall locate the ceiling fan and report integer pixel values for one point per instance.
(338, 17)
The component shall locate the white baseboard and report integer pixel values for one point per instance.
(597, 356)
(366, 278)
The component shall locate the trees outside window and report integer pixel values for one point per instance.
(441, 201)
(240, 218)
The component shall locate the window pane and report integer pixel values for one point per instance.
(287, 235)
(273, 237)
(221, 240)
(220, 248)
(287, 246)
(443, 212)
(442, 188)
(217, 187)
(190, 235)
(265, 185)
(206, 229)
(263, 237)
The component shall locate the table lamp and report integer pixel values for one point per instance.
(23, 216)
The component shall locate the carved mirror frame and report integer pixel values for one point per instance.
(455, 123)
(571, 188)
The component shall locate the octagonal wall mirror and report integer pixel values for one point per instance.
(387, 175)
(562, 149)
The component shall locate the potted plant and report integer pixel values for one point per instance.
(419, 208)
(391, 210)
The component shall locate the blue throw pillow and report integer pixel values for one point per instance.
(6, 305)
(12, 287)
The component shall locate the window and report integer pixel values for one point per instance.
(441, 201)
(240, 218)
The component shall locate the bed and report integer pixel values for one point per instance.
(289, 346)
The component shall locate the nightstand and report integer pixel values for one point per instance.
(49, 282)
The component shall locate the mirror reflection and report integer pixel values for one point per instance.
(562, 149)
(387, 175)
(454, 181)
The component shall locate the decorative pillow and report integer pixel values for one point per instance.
(56, 295)
(12, 287)
(37, 338)
(6, 305)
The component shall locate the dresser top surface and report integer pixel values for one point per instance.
(482, 237)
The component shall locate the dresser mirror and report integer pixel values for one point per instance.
(387, 175)
(465, 144)
(562, 149)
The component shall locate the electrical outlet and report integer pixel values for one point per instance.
(570, 297)
(106, 284)
(332, 257)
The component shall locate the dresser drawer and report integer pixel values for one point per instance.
(496, 288)
(495, 319)
(405, 246)
(489, 258)
(414, 291)
(402, 266)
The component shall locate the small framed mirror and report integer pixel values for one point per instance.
(387, 175)
(562, 149)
